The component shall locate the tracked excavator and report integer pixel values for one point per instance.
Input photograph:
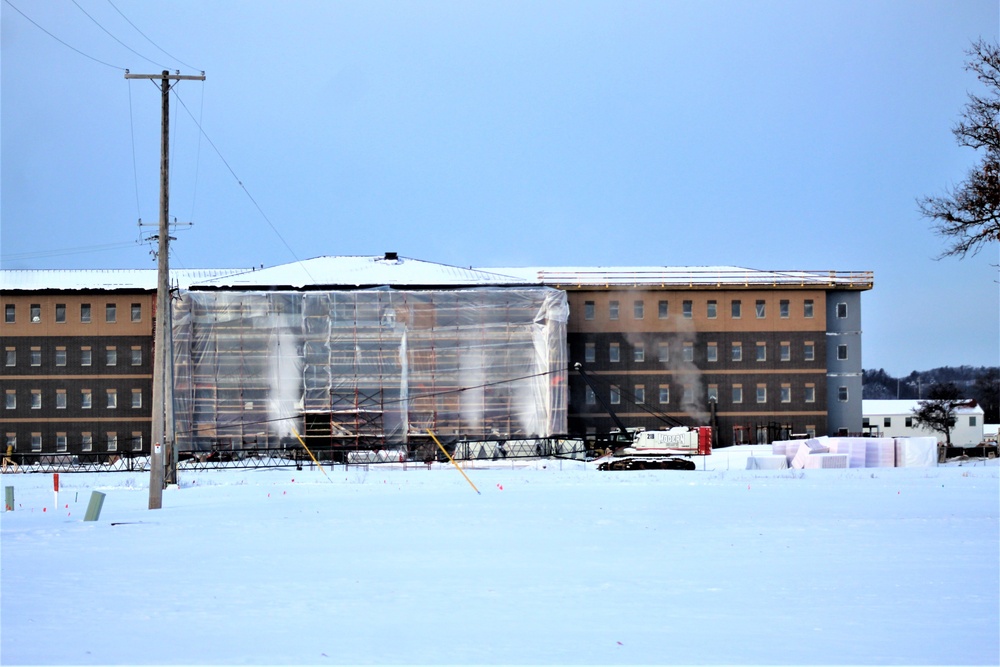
(639, 449)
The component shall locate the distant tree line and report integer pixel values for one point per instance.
(981, 384)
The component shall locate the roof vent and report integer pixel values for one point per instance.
(391, 256)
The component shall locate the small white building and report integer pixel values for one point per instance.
(894, 419)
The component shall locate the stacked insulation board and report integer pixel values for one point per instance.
(845, 452)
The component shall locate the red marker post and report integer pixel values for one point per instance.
(55, 487)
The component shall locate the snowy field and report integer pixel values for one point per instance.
(553, 563)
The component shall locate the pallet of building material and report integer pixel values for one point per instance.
(821, 461)
(919, 452)
(880, 453)
(806, 449)
(854, 448)
(786, 448)
(764, 462)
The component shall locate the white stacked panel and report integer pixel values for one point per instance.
(880, 453)
(819, 461)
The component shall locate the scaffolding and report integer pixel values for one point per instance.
(370, 368)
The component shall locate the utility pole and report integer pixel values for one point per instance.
(163, 382)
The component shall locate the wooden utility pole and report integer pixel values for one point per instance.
(163, 382)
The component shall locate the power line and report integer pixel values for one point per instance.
(72, 48)
(108, 32)
(66, 251)
(245, 190)
(135, 169)
(149, 40)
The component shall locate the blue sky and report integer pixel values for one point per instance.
(766, 134)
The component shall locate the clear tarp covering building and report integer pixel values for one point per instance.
(368, 368)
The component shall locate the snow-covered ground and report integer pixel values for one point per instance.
(553, 562)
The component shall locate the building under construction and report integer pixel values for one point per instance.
(368, 368)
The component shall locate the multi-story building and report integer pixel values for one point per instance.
(774, 353)
(77, 364)
(758, 354)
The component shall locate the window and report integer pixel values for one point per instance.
(712, 352)
(112, 439)
(12, 441)
(737, 309)
(786, 393)
(664, 394)
(60, 399)
(86, 399)
(841, 310)
(588, 310)
(737, 393)
(688, 351)
(909, 422)
(36, 399)
(663, 352)
(760, 309)
(687, 309)
(810, 351)
(687, 396)
(112, 398)
(663, 309)
(36, 356)
(110, 313)
(761, 351)
(811, 430)
(972, 420)
(111, 354)
(783, 309)
(737, 352)
(612, 310)
(10, 399)
(137, 312)
(10, 356)
(590, 352)
(807, 308)
(713, 393)
(136, 441)
(137, 398)
(8, 313)
(591, 398)
(842, 394)
(616, 395)
(639, 352)
(86, 357)
(85, 313)
(887, 422)
(60, 442)
(614, 353)
(36, 312)
(136, 355)
(785, 350)
(60, 312)
(638, 310)
(810, 393)
(60, 356)
(36, 442)
(640, 393)
(842, 352)
(865, 422)
(762, 393)
(713, 309)
(87, 441)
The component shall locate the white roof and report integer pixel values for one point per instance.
(361, 271)
(101, 279)
(905, 407)
(686, 276)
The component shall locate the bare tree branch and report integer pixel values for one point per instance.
(968, 216)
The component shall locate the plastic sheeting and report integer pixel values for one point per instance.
(368, 367)
(921, 452)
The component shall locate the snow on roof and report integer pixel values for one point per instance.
(101, 279)
(687, 276)
(360, 271)
(904, 407)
